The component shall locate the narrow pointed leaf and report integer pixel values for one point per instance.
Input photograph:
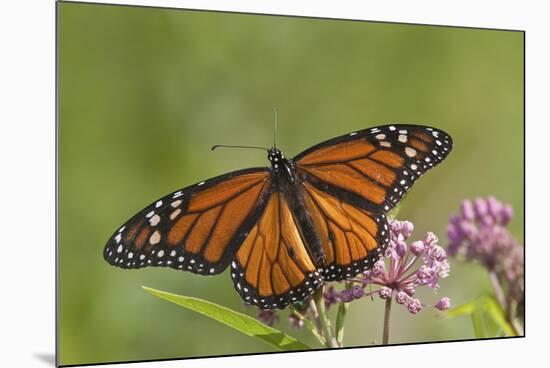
(239, 321)
(495, 312)
(462, 310)
(477, 322)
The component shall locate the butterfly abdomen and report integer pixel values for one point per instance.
(294, 194)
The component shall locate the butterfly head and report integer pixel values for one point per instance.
(276, 158)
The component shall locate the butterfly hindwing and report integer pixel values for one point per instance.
(375, 167)
(197, 229)
(352, 238)
(273, 267)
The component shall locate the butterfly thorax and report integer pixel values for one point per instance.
(281, 167)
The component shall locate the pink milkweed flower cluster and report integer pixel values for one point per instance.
(406, 267)
(479, 233)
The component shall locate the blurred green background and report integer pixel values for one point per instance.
(145, 93)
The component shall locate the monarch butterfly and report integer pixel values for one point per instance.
(286, 229)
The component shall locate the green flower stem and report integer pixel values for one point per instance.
(330, 341)
(316, 318)
(387, 312)
(340, 318)
(311, 327)
(499, 293)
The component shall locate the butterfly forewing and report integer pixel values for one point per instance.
(197, 229)
(375, 167)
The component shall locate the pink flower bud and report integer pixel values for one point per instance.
(424, 273)
(401, 248)
(414, 306)
(417, 247)
(438, 253)
(346, 296)
(480, 207)
(468, 229)
(487, 220)
(455, 219)
(384, 292)
(357, 292)
(443, 304)
(444, 269)
(407, 229)
(409, 290)
(401, 297)
(395, 226)
(430, 239)
(506, 214)
(494, 206)
(467, 210)
(379, 268)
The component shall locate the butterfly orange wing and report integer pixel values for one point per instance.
(273, 267)
(352, 238)
(197, 229)
(351, 182)
(374, 168)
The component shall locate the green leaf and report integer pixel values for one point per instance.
(462, 310)
(477, 322)
(484, 306)
(310, 326)
(239, 321)
(497, 314)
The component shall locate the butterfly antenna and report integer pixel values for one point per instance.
(274, 127)
(231, 146)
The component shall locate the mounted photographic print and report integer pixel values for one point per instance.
(236, 183)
